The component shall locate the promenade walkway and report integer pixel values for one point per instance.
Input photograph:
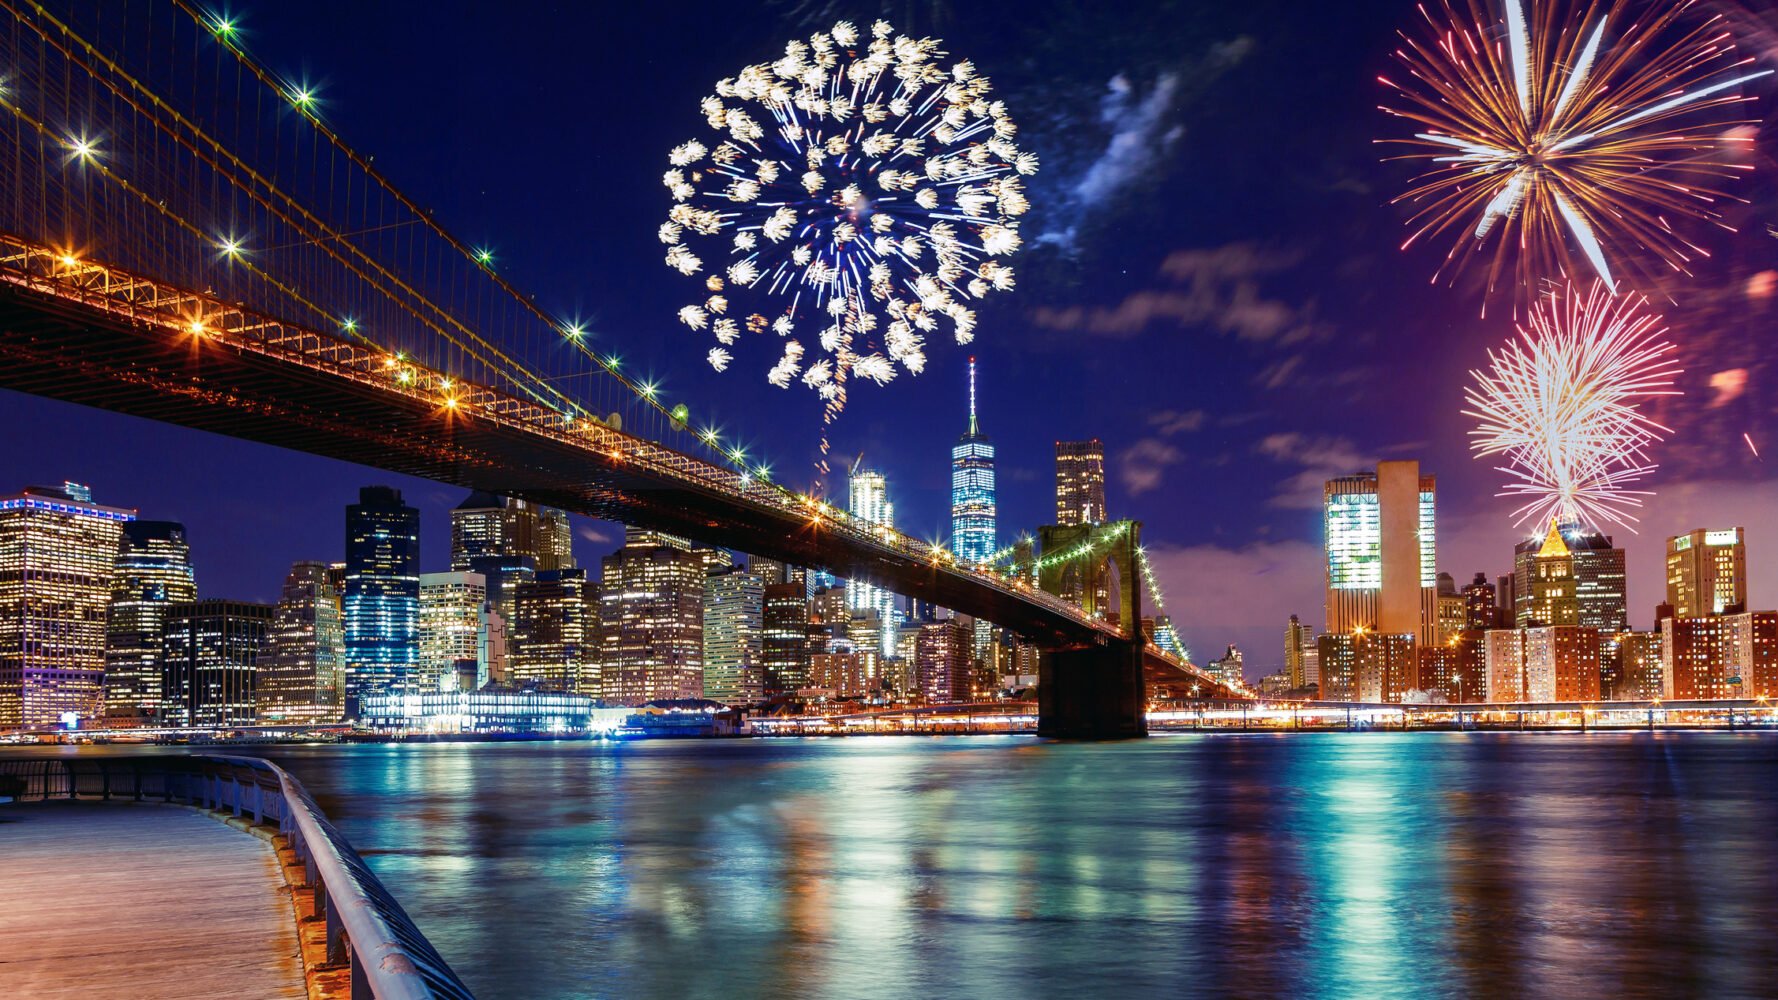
(111, 899)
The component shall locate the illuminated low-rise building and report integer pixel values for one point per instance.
(1455, 668)
(58, 554)
(1720, 656)
(942, 656)
(841, 673)
(492, 710)
(1639, 668)
(1543, 664)
(1230, 668)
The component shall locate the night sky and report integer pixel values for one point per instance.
(1212, 285)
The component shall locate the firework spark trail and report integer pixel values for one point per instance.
(1593, 126)
(857, 184)
(1560, 403)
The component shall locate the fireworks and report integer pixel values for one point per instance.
(865, 192)
(1585, 127)
(1560, 403)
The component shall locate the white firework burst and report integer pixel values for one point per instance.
(862, 183)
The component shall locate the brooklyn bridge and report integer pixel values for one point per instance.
(183, 238)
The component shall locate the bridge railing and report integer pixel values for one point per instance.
(389, 958)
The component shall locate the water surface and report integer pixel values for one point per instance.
(1315, 865)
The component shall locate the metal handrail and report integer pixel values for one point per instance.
(365, 926)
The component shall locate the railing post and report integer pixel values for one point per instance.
(360, 980)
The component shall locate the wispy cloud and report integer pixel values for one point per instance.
(1318, 458)
(1219, 288)
(1143, 465)
(1141, 133)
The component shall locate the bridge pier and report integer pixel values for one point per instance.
(1096, 693)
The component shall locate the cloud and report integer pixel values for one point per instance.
(1217, 287)
(1140, 134)
(1320, 458)
(1143, 465)
(592, 534)
(1168, 423)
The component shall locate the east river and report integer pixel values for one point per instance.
(1338, 865)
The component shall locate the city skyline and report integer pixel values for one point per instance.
(1280, 301)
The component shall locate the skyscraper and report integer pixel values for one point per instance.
(972, 489)
(381, 605)
(1381, 554)
(1599, 581)
(869, 501)
(1552, 583)
(1080, 482)
(302, 676)
(651, 620)
(58, 552)
(734, 649)
(1297, 638)
(785, 637)
(451, 643)
(497, 538)
(941, 662)
(555, 539)
(1707, 572)
(555, 633)
(210, 662)
(153, 570)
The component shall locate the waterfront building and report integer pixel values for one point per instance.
(58, 554)
(784, 639)
(1312, 666)
(734, 641)
(1543, 663)
(153, 570)
(1455, 668)
(380, 607)
(1480, 610)
(1640, 667)
(869, 501)
(1707, 572)
(942, 655)
(652, 620)
(972, 489)
(1381, 552)
(1080, 482)
(302, 677)
(1336, 660)
(210, 662)
(1298, 638)
(1230, 668)
(843, 674)
(1384, 666)
(452, 618)
(1720, 656)
(490, 710)
(555, 633)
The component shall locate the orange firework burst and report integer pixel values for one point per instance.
(1569, 136)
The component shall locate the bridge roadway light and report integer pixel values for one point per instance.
(224, 28)
(484, 256)
(302, 97)
(574, 331)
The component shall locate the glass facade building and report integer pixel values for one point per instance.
(211, 660)
(869, 501)
(972, 489)
(555, 633)
(651, 616)
(58, 552)
(381, 603)
(153, 570)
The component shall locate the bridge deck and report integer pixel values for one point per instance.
(113, 900)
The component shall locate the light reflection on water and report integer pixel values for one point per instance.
(1324, 865)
